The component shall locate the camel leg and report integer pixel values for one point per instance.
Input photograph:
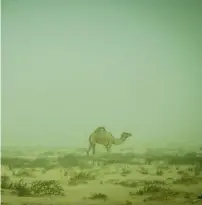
(109, 150)
(108, 147)
(89, 149)
(93, 146)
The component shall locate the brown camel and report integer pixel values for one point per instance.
(103, 137)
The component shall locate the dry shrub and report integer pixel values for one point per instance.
(186, 180)
(72, 160)
(154, 182)
(19, 162)
(98, 196)
(46, 188)
(143, 170)
(125, 171)
(126, 203)
(125, 183)
(159, 172)
(23, 173)
(22, 188)
(36, 188)
(156, 192)
(14, 162)
(6, 182)
(81, 177)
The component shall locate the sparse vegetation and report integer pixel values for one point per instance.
(155, 192)
(129, 171)
(6, 182)
(46, 188)
(126, 203)
(81, 177)
(148, 161)
(197, 169)
(150, 188)
(157, 182)
(125, 183)
(159, 172)
(98, 196)
(23, 173)
(36, 188)
(186, 180)
(72, 160)
(143, 170)
(19, 162)
(22, 188)
(15, 162)
(163, 167)
(125, 171)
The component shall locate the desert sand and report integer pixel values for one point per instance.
(125, 177)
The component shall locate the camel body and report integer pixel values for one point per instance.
(103, 137)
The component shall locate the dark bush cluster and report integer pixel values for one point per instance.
(46, 188)
(19, 162)
(6, 182)
(36, 188)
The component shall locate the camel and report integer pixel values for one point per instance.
(103, 137)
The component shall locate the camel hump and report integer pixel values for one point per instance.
(100, 129)
(98, 132)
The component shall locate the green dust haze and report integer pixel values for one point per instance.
(71, 66)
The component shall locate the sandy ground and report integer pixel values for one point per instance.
(112, 178)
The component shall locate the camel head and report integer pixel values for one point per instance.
(125, 135)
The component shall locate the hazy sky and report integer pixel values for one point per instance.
(70, 66)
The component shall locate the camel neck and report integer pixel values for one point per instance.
(118, 141)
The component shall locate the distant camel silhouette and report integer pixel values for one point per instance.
(103, 137)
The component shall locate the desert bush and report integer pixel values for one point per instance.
(68, 161)
(14, 162)
(151, 188)
(156, 192)
(46, 154)
(143, 170)
(168, 194)
(47, 168)
(5, 203)
(81, 177)
(22, 188)
(159, 172)
(190, 169)
(157, 197)
(125, 183)
(197, 169)
(23, 173)
(36, 188)
(189, 195)
(187, 159)
(46, 188)
(179, 171)
(117, 158)
(98, 196)
(40, 162)
(148, 160)
(125, 171)
(6, 182)
(163, 167)
(72, 160)
(126, 203)
(186, 180)
(154, 182)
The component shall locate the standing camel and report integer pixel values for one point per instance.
(103, 137)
